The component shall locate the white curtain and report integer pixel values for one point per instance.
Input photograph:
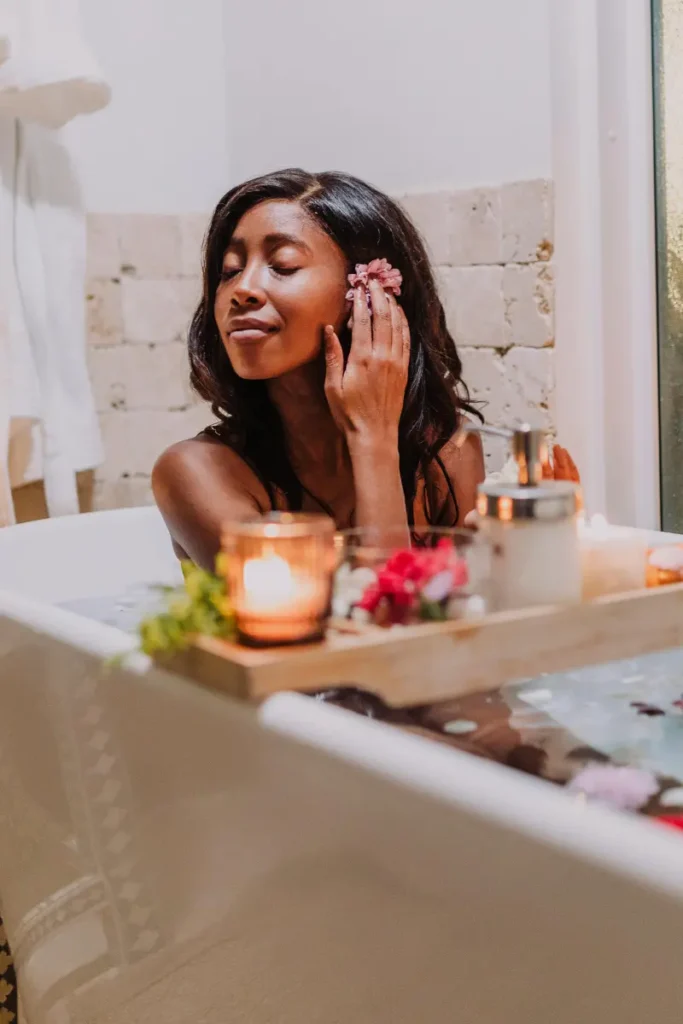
(47, 415)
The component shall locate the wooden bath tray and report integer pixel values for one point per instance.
(437, 661)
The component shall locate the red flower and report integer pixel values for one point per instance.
(397, 587)
(408, 573)
(370, 599)
(406, 564)
(673, 820)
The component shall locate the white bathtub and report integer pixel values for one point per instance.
(507, 858)
(93, 555)
(97, 555)
(87, 579)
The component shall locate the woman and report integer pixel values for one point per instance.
(348, 406)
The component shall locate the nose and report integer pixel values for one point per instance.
(248, 290)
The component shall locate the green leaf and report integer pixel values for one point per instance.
(200, 606)
(432, 611)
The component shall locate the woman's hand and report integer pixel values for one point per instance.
(366, 397)
(562, 468)
(366, 400)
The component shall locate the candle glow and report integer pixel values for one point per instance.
(280, 577)
(268, 582)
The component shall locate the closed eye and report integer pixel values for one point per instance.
(285, 271)
(229, 272)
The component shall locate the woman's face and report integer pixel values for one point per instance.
(283, 281)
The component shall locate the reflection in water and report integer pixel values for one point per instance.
(628, 712)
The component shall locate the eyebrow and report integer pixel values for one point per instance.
(273, 241)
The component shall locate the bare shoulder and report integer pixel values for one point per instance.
(189, 461)
(198, 484)
(464, 455)
(457, 472)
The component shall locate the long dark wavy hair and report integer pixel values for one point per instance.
(365, 224)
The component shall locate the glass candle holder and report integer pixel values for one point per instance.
(389, 577)
(279, 572)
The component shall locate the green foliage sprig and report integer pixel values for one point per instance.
(200, 607)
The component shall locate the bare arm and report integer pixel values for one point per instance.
(380, 501)
(199, 485)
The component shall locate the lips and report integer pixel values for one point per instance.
(248, 330)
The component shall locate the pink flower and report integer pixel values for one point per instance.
(627, 789)
(377, 270)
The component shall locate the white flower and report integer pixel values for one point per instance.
(349, 587)
(439, 587)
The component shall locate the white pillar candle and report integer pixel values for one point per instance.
(613, 558)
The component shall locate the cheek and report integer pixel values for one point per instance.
(313, 304)
(221, 306)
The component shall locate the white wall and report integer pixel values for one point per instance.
(409, 94)
(161, 145)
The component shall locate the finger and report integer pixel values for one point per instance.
(405, 335)
(574, 474)
(557, 462)
(562, 471)
(565, 467)
(334, 362)
(381, 320)
(396, 329)
(361, 334)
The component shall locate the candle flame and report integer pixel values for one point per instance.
(268, 581)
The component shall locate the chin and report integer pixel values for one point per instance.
(254, 372)
(252, 362)
(255, 363)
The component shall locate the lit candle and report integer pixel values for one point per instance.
(613, 558)
(268, 582)
(279, 573)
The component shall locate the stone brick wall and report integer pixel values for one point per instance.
(492, 248)
(143, 286)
